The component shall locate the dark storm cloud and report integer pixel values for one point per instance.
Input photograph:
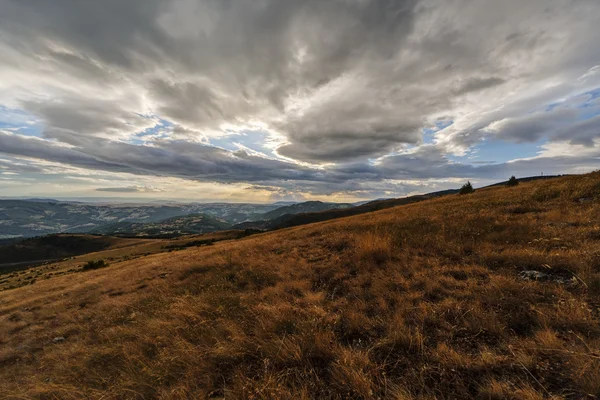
(178, 159)
(532, 127)
(583, 132)
(14, 166)
(565, 123)
(71, 118)
(186, 102)
(111, 31)
(40, 149)
(476, 84)
(348, 145)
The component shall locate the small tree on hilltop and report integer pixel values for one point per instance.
(512, 181)
(466, 188)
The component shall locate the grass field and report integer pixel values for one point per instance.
(425, 300)
(117, 249)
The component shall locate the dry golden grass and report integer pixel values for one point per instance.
(120, 249)
(418, 301)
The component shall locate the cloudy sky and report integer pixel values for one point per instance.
(261, 100)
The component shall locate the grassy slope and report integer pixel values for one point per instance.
(288, 221)
(119, 249)
(418, 301)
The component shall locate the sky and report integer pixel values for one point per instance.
(270, 100)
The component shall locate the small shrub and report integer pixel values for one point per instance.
(466, 188)
(512, 181)
(95, 264)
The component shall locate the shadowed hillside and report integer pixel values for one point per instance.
(300, 208)
(52, 247)
(489, 295)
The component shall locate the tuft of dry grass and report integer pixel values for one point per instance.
(374, 247)
(422, 301)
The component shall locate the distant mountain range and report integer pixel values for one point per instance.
(37, 217)
(205, 223)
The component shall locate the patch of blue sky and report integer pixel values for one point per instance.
(590, 112)
(429, 133)
(20, 121)
(591, 107)
(591, 101)
(162, 125)
(161, 129)
(443, 124)
(253, 140)
(135, 141)
(224, 142)
(594, 94)
(551, 107)
(495, 151)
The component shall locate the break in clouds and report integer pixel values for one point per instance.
(355, 98)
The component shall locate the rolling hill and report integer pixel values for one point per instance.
(490, 295)
(170, 227)
(49, 248)
(301, 208)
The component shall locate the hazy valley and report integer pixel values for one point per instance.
(28, 218)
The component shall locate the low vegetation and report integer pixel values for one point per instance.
(512, 181)
(94, 264)
(428, 300)
(466, 188)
